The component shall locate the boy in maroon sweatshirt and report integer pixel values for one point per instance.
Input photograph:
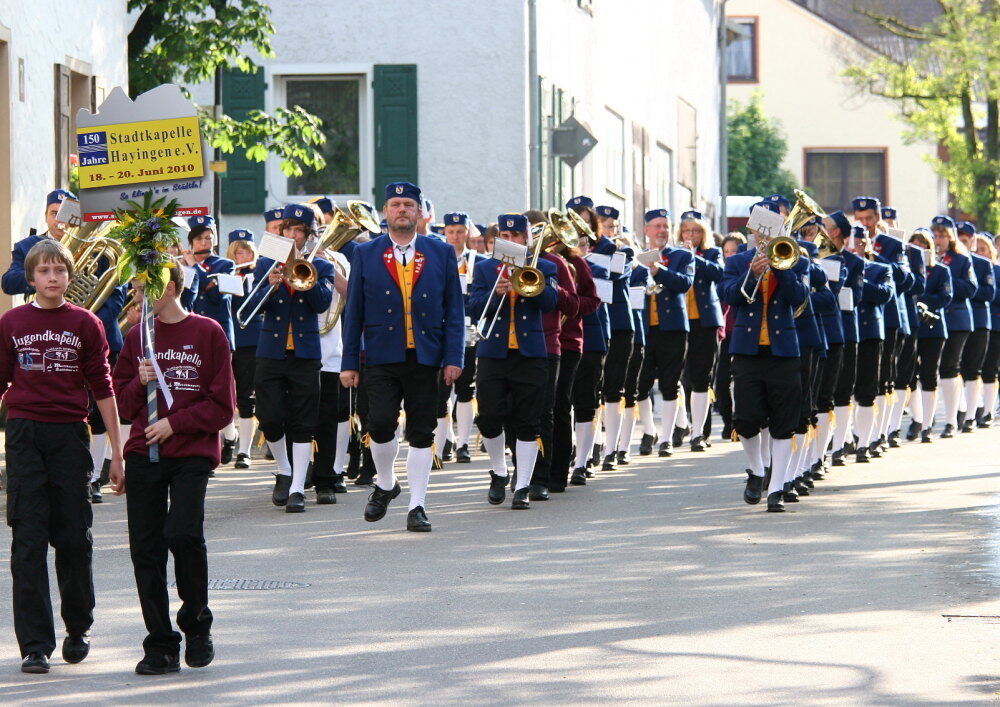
(51, 353)
(195, 364)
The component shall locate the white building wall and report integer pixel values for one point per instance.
(801, 57)
(89, 35)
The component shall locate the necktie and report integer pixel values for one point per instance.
(402, 253)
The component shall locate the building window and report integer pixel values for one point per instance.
(663, 178)
(687, 145)
(614, 153)
(337, 101)
(557, 177)
(835, 176)
(741, 49)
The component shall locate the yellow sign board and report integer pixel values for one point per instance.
(133, 153)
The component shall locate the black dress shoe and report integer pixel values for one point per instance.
(646, 445)
(446, 453)
(95, 492)
(925, 436)
(817, 473)
(378, 502)
(462, 455)
(774, 504)
(981, 422)
(788, 493)
(338, 484)
(589, 472)
(537, 492)
(883, 444)
(800, 488)
(595, 456)
(282, 483)
(623, 458)
(35, 663)
(894, 439)
(874, 451)
(498, 489)
(679, 434)
(556, 488)
(365, 478)
(698, 444)
(727, 432)
(520, 500)
(105, 476)
(862, 456)
(158, 664)
(198, 650)
(228, 445)
(948, 432)
(960, 419)
(267, 453)
(754, 488)
(76, 648)
(324, 497)
(837, 458)
(665, 450)
(579, 477)
(851, 446)
(967, 426)
(609, 462)
(297, 503)
(416, 521)
(807, 480)
(913, 431)
(242, 461)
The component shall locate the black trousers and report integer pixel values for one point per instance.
(702, 349)
(616, 365)
(807, 371)
(326, 429)
(668, 349)
(288, 394)
(562, 420)
(991, 364)
(890, 354)
(635, 363)
(723, 379)
(244, 366)
(511, 391)
(543, 462)
(906, 362)
(951, 357)
(443, 401)
(94, 418)
(974, 354)
(866, 384)
(166, 513)
(844, 390)
(828, 378)
(587, 386)
(929, 353)
(408, 384)
(48, 503)
(465, 385)
(766, 392)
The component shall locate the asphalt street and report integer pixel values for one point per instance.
(653, 584)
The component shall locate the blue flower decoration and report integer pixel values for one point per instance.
(153, 224)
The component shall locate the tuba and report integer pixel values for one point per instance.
(95, 264)
(582, 228)
(346, 225)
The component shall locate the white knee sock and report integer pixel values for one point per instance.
(495, 449)
(301, 454)
(989, 398)
(246, 428)
(951, 391)
(584, 443)
(229, 431)
(612, 426)
(280, 453)
(646, 416)
(98, 443)
(384, 457)
(682, 413)
(781, 458)
(699, 411)
(668, 413)
(917, 405)
(628, 427)
(896, 416)
(843, 415)
(751, 446)
(526, 453)
(795, 468)
(884, 409)
(928, 401)
(418, 474)
(463, 417)
(765, 447)
(343, 442)
(972, 397)
(823, 431)
(441, 434)
(865, 421)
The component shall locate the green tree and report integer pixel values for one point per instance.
(188, 41)
(756, 149)
(947, 91)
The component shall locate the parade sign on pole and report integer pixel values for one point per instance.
(130, 148)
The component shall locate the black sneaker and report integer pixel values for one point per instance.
(874, 450)
(228, 445)
(698, 444)
(579, 477)
(95, 492)
(242, 461)
(446, 453)
(837, 458)
(665, 449)
(754, 488)
(198, 650)
(948, 432)
(416, 521)
(520, 501)
(646, 445)
(609, 462)
(862, 456)
(296, 503)
(338, 484)
(378, 502)
(624, 459)
(158, 664)
(35, 662)
(282, 483)
(913, 431)
(462, 455)
(679, 434)
(76, 648)
(498, 489)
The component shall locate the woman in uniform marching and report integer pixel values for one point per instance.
(974, 353)
(243, 253)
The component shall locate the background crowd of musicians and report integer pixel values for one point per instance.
(809, 364)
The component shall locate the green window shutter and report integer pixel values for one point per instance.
(395, 126)
(243, 188)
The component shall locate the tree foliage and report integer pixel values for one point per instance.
(948, 92)
(756, 149)
(186, 41)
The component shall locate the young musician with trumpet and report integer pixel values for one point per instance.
(242, 251)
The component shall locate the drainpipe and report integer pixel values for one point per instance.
(534, 111)
(723, 131)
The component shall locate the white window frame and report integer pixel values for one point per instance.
(611, 189)
(277, 76)
(663, 169)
